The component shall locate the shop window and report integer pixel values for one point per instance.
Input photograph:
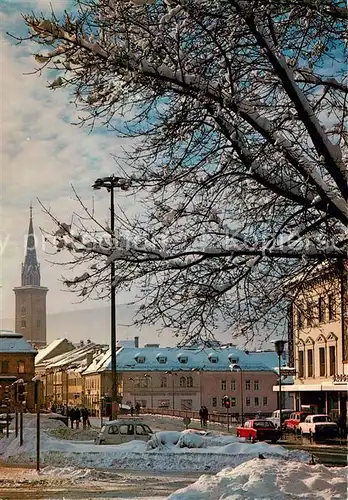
(322, 367)
(300, 364)
(332, 360)
(310, 362)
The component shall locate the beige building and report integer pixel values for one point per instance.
(30, 309)
(318, 336)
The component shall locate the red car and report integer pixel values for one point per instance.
(260, 430)
(292, 423)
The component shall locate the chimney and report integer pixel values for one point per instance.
(136, 342)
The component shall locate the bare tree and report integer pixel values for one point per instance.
(237, 110)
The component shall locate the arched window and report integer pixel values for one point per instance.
(189, 382)
(182, 382)
(163, 381)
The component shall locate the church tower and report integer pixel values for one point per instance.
(31, 296)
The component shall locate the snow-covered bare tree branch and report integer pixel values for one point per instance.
(238, 110)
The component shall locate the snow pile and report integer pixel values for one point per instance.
(269, 479)
(167, 451)
(81, 434)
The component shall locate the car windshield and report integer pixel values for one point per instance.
(263, 423)
(321, 418)
(303, 417)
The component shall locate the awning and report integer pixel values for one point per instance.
(312, 388)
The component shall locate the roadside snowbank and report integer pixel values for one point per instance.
(170, 451)
(269, 479)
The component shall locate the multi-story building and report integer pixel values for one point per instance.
(16, 363)
(185, 379)
(318, 336)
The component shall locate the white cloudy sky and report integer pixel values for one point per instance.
(41, 155)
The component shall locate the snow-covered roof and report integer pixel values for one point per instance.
(75, 359)
(11, 342)
(46, 351)
(207, 359)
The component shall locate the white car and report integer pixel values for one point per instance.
(318, 426)
(275, 417)
(123, 430)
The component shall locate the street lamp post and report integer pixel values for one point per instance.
(279, 348)
(37, 381)
(237, 368)
(110, 183)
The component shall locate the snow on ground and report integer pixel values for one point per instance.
(189, 451)
(269, 479)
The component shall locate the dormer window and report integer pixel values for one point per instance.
(233, 359)
(140, 359)
(213, 358)
(182, 358)
(161, 359)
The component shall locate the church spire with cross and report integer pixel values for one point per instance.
(31, 296)
(31, 267)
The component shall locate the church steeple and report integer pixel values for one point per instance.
(31, 267)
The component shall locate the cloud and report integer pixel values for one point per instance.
(42, 154)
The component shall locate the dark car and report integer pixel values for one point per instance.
(259, 430)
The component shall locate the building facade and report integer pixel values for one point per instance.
(320, 345)
(30, 308)
(16, 363)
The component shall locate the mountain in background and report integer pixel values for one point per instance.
(94, 324)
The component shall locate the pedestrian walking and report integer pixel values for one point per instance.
(132, 410)
(85, 418)
(137, 408)
(201, 415)
(71, 416)
(77, 415)
(205, 416)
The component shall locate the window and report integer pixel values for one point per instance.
(247, 385)
(309, 314)
(213, 358)
(162, 360)
(113, 429)
(331, 307)
(186, 404)
(247, 401)
(23, 310)
(299, 319)
(140, 359)
(310, 362)
(163, 381)
(126, 430)
(256, 401)
(321, 310)
(38, 323)
(144, 382)
(332, 359)
(300, 364)
(23, 323)
(256, 385)
(322, 370)
(182, 382)
(233, 402)
(233, 385)
(223, 385)
(20, 367)
(189, 382)
(214, 402)
(264, 401)
(4, 367)
(182, 358)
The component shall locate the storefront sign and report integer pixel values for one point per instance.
(340, 379)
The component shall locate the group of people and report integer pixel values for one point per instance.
(137, 409)
(76, 414)
(204, 416)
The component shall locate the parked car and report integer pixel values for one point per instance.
(319, 426)
(259, 430)
(122, 431)
(292, 423)
(275, 417)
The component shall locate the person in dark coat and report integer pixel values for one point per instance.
(132, 410)
(71, 416)
(85, 418)
(77, 415)
(205, 416)
(201, 416)
(342, 424)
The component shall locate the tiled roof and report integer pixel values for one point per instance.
(195, 358)
(11, 342)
